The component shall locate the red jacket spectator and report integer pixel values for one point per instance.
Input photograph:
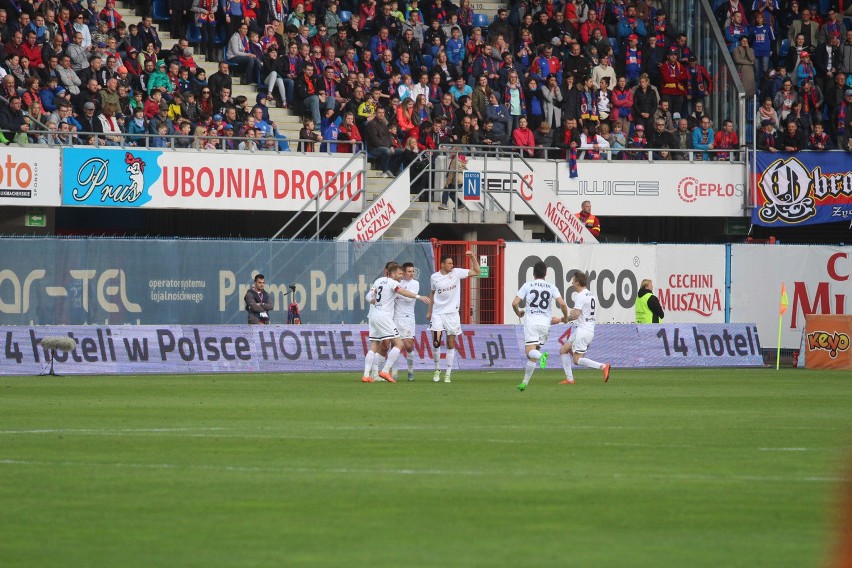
(588, 28)
(524, 137)
(674, 78)
(33, 53)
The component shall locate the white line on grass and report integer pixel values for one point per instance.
(381, 471)
(118, 431)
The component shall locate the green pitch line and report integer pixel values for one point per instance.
(692, 468)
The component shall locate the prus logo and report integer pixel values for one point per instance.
(831, 342)
(98, 184)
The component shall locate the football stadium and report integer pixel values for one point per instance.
(333, 283)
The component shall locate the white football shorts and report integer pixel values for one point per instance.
(449, 323)
(405, 326)
(536, 334)
(382, 327)
(581, 339)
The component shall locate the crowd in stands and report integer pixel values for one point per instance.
(558, 80)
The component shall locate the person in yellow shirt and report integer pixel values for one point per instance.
(648, 308)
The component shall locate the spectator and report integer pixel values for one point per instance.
(307, 93)
(592, 142)
(807, 28)
(792, 140)
(767, 112)
(348, 132)
(551, 96)
(239, 53)
(498, 114)
(744, 58)
(380, 142)
(698, 85)
(566, 137)
(682, 139)
(804, 70)
(819, 140)
(645, 102)
(308, 135)
(660, 137)
(827, 60)
(638, 141)
(702, 138)
(726, 139)
(767, 139)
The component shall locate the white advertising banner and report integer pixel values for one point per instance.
(29, 176)
(818, 280)
(625, 188)
(210, 180)
(615, 272)
(372, 223)
(690, 283)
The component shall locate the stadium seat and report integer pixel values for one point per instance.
(785, 47)
(221, 35)
(480, 20)
(161, 11)
(193, 34)
(427, 60)
(233, 66)
(345, 16)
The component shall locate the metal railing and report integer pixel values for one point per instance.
(318, 209)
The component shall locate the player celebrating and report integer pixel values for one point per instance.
(538, 296)
(404, 318)
(444, 312)
(382, 296)
(584, 316)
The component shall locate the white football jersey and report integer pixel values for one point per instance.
(447, 288)
(587, 304)
(384, 292)
(540, 298)
(405, 306)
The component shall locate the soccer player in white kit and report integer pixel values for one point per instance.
(539, 297)
(404, 318)
(382, 297)
(444, 312)
(583, 314)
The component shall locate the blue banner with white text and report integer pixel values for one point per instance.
(806, 188)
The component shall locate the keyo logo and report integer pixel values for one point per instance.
(831, 342)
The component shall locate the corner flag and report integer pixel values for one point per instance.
(785, 301)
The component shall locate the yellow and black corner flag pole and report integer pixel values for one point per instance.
(785, 301)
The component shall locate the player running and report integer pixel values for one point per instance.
(538, 297)
(583, 314)
(404, 318)
(382, 296)
(444, 312)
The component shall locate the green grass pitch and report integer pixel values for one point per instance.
(680, 468)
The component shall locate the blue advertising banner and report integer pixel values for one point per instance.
(188, 349)
(802, 189)
(115, 281)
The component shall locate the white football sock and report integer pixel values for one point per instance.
(393, 355)
(437, 354)
(368, 362)
(567, 364)
(528, 371)
(451, 357)
(378, 363)
(409, 359)
(589, 363)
